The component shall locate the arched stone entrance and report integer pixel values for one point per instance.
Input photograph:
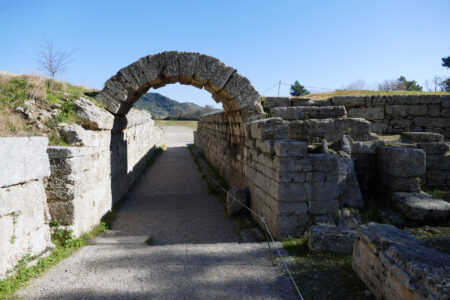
(235, 91)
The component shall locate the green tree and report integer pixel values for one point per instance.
(446, 83)
(405, 85)
(298, 90)
(446, 61)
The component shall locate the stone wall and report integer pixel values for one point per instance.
(396, 114)
(290, 187)
(24, 217)
(87, 180)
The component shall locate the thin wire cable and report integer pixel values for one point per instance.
(205, 168)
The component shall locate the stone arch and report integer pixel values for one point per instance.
(233, 90)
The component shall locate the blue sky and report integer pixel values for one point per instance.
(325, 44)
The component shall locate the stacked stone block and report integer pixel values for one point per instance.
(290, 187)
(400, 168)
(87, 180)
(24, 216)
(388, 114)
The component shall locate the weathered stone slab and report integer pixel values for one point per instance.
(368, 113)
(23, 159)
(290, 148)
(401, 161)
(308, 112)
(93, 116)
(269, 129)
(395, 265)
(421, 137)
(272, 102)
(421, 206)
(335, 239)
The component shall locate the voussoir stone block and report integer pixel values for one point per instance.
(23, 159)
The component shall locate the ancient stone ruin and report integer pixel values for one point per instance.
(302, 164)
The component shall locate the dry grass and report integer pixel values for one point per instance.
(12, 124)
(17, 90)
(328, 95)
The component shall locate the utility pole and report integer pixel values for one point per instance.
(279, 84)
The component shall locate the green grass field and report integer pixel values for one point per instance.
(190, 124)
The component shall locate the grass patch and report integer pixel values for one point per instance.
(436, 237)
(149, 241)
(324, 275)
(40, 94)
(66, 245)
(336, 93)
(440, 194)
(182, 123)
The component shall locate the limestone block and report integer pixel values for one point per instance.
(431, 122)
(151, 68)
(271, 102)
(400, 184)
(204, 69)
(269, 129)
(421, 137)
(293, 224)
(93, 116)
(308, 112)
(24, 221)
(23, 159)
(331, 239)
(187, 62)
(368, 113)
(330, 129)
(219, 77)
(434, 148)
(349, 192)
(170, 66)
(324, 191)
(349, 101)
(234, 85)
(76, 135)
(401, 161)
(421, 206)
(323, 207)
(395, 265)
(290, 192)
(290, 148)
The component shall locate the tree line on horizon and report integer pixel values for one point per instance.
(399, 84)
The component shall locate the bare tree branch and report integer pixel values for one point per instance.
(53, 61)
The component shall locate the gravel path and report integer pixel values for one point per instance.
(195, 252)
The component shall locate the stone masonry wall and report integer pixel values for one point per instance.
(24, 216)
(396, 114)
(291, 188)
(87, 180)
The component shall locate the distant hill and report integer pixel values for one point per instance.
(163, 107)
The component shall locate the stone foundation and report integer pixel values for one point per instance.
(87, 181)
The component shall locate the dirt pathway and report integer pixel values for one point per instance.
(195, 252)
